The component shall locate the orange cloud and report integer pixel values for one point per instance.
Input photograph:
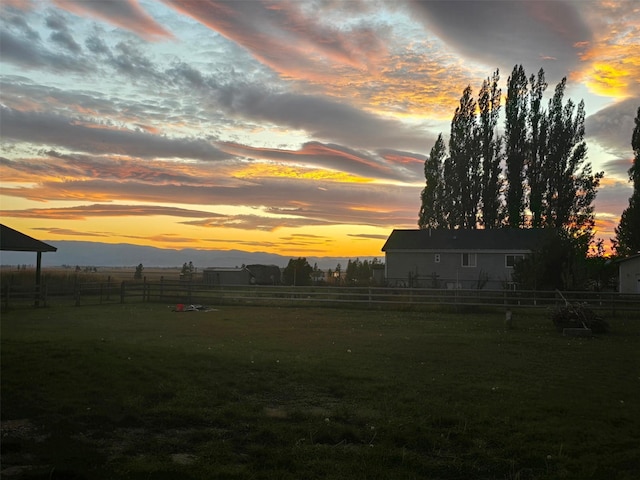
(266, 170)
(336, 163)
(403, 159)
(149, 128)
(612, 60)
(281, 35)
(417, 81)
(609, 79)
(82, 212)
(67, 232)
(369, 67)
(609, 181)
(127, 14)
(170, 238)
(19, 4)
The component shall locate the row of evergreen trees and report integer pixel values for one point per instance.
(358, 272)
(535, 174)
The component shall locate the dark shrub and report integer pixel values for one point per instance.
(578, 315)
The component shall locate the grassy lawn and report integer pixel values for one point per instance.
(141, 392)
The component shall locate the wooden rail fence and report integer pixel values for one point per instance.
(187, 292)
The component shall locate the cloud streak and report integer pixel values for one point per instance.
(91, 137)
(283, 36)
(535, 34)
(127, 14)
(82, 212)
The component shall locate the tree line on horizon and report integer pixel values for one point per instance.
(299, 272)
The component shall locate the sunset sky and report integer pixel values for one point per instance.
(290, 127)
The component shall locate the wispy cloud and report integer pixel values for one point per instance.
(82, 212)
(127, 14)
(611, 61)
(284, 35)
(67, 232)
(320, 117)
(612, 127)
(29, 55)
(337, 158)
(86, 136)
(503, 34)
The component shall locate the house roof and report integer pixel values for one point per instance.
(15, 241)
(225, 269)
(480, 239)
(626, 259)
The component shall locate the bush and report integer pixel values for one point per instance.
(578, 315)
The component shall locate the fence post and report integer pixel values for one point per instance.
(614, 298)
(5, 296)
(161, 287)
(144, 289)
(108, 287)
(122, 292)
(76, 293)
(44, 294)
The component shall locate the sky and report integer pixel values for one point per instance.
(291, 127)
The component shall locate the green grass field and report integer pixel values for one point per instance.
(141, 392)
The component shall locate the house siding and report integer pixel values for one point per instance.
(629, 271)
(410, 256)
(419, 269)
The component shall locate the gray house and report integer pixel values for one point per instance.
(466, 259)
(629, 274)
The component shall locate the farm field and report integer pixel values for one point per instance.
(61, 278)
(138, 391)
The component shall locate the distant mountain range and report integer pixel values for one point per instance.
(95, 254)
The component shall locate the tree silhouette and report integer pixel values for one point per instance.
(542, 159)
(297, 272)
(138, 273)
(627, 239)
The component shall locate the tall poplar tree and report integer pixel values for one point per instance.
(432, 214)
(547, 180)
(462, 169)
(536, 160)
(516, 113)
(572, 186)
(489, 150)
(627, 241)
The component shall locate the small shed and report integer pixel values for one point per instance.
(15, 241)
(265, 274)
(629, 274)
(227, 276)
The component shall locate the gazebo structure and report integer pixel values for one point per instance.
(15, 241)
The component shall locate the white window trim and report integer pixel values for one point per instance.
(516, 257)
(472, 260)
